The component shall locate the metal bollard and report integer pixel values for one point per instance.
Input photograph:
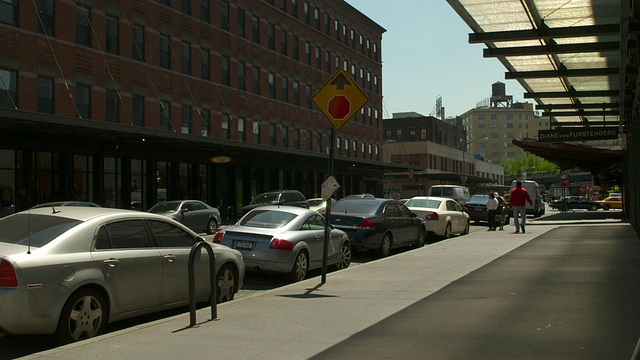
(192, 282)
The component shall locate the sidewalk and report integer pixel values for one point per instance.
(571, 292)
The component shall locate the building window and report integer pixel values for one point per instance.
(241, 132)
(272, 85)
(205, 60)
(138, 110)
(296, 92)
(285, 89)
(255, 29)
(307, 15)
(283, 42)
(309, 140)
(327, 24)
(165, 115)
(138, 42)
(242, 79)
(256, 132)
(83, 101)
(165, 52)
(224, 15)
(327, 61)
(271, 36)
(256, 80)
(308, 100)
(45, 95)
(9, 12)
(83, 24)
(241, 28)
(8, 89)
(336, 29)
(319, 142)
(294, 8)
(318, 59)
(294, 47)
(226, 77)
(185, 60)
(206, 118)
(316, 16)
(285, 136)
(111, 35)
(272, 134)
(307, 52)
(45, 17)
(226, 134)
(112, 106)
(205, 10)
(296, 138)
(185, 6)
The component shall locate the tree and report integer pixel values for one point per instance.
(531, 164)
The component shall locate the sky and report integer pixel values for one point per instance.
(426, 54)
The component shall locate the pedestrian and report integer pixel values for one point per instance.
(492, 208)
(517, 202)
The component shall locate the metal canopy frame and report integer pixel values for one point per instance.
(567, 55)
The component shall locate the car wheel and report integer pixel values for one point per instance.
(422, 237)
(593, 208)
(606, 207)
(447, 231)
(226, 284)
(385, 246)
(466, 228)
(344, 259)
(83, 316)
(300, 267)
(212, 226)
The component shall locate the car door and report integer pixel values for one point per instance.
(313, 233)
(189, 215)
(200, 216)
(398, 224)
(132, 267)
(458, 222)
(174, 246)
(412, 223)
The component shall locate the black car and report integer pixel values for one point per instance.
(378, 224)
(476, 207)
(278, 197)
(575, 202)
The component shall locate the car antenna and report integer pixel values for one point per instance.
(54, 211)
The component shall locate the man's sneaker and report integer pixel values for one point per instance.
(523, 230)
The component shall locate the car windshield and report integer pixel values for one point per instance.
(362, 206)
(267, 219)
(34, 230)
(266, 199)
(424, 203)
(164, 207)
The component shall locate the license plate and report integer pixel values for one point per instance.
(242, 244)
(478, 209)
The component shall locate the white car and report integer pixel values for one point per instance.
(443, 216)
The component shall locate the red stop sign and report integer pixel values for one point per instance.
(339, 107)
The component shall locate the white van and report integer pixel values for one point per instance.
(456, 192)
(533, 188)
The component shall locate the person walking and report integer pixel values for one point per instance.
(517, 202)
(492, 208)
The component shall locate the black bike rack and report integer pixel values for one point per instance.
(192, 282)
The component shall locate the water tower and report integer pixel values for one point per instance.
(499, 97)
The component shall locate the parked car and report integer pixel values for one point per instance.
(106, 264)
(611, 202)
(56, 204)
(476, 207)
(320, 204)
(456, 192)
(359, 196)
(196, 215)
(378, 224)
(443, 216)
(575, 202)
(279, 197)
(285, 239)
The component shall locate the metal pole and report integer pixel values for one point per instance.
(327, 224)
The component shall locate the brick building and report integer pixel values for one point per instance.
(122, 101)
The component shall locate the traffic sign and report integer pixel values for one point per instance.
(340, 99)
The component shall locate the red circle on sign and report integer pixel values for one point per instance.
(339, 107)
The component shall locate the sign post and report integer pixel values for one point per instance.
(339, 100)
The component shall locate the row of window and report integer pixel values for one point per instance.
(45, 104)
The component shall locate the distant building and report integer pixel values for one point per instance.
(494, 123)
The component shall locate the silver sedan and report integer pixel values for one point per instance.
(70, 271)
(442, 216)
(285, 239)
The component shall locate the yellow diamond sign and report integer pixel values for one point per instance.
(340, 99)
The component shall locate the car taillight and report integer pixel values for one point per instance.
(432, 216)
(217, 238)
(367, 224)
(280, 244)
(465, 207)
(7, 275)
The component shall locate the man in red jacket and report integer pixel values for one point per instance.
(517, 202)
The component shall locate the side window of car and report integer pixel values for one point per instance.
(169, 235)
(299, 197)
(187, 206)
(447, 191)
(128, 234)
(403, 210)
(316, 222)
(197, 205)
(392, 210)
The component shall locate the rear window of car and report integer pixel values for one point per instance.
(360, 206)
(266, 199)
(425, 203)
(164, 207)
(34, 230)
(267, 219)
